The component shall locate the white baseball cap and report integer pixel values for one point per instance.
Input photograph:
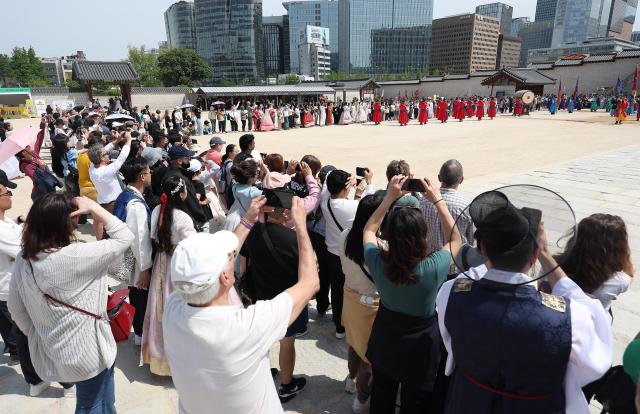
(199, 259)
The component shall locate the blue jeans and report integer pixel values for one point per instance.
(96, 395)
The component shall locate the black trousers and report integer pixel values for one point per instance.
(8, 330)
(222, 126)
(383, 397)
(337, 286)
(138, 299)
(244, 124)
(320, 247)
(234, 125)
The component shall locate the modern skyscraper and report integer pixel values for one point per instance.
(358, 19)
(179, 21)
(321, 13)
(635, 37)
(534, 36)
(546, 10)
(501, 11)
(274, 44)
(464, 43)
(230, 39)
(579, 20)
(508, 51)
(399, 50)
(621, 18)
(518, 23)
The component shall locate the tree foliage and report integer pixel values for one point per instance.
(178, 66)
(146, 64)
(6, 71)
(24, 68)
(292, 79)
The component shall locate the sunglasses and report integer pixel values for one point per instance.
(7, 194)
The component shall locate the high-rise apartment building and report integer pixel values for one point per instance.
(464, 43)
(518, 23)
(315, 60)
(321, 13)
(405, 49)
(501, 11)
(508, 51)
(276, 38)
(359, 18)
(179, 22)
(546, 10)
(230, 39)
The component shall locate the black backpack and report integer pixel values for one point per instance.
(616, 392)
(45, 181)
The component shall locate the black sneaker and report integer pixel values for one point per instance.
(274, 372)
(287, 392)
(303, 332)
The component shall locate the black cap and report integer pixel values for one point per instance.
(4, 180)
(216, 141)
(178, 151)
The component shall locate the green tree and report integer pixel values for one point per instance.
(292, 79)
(27, 68)
(6, 71)
(182, 67)
(146, 64)
(71, 84)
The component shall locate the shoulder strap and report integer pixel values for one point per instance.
(333, 215)
(272, 250)
(59, 302)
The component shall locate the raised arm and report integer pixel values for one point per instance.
(450, 232)
(308, 281)
(394, 191)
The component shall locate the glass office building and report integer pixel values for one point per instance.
(546, 10)
(179, 22)
(321, 13)
(359, 18)
(535, 36)
(578, 20)
(621, 18)
(501, 11)
(230, 39)
(274, 41)
(404, 49)
(518, 23)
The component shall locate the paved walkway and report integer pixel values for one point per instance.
(606, 182)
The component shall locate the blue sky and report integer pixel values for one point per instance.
(105, 29)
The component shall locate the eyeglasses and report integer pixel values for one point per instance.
(7, 194)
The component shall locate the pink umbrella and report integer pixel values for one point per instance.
(18, 140)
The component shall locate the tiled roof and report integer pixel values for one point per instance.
(87, 70)
(399, 82)
(568, 62)
(532, 76)
(542, 66)
(432, 79)
(452, 77)
(628, 54)
(600, 58)
(482, 73)
(267, 90)
(352, 84)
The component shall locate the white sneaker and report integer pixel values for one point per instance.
(340, 335)
(35, 390)
(70, 392)
(137, 340)
(360, 408)
(350, 385)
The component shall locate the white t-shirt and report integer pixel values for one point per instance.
(10, 239)
(219, 356)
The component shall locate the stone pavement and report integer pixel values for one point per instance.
(605, 182)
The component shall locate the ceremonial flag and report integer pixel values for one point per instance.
(575, 91)
(559, 92)
(635, 82)
(619, 86)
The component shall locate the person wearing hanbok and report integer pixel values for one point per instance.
(322, 115)
(307, 118)
(630, 106)
(571, 106)
(442, 110)
(553, 106)
(594, 104)
(458, 110)
(170, 224)
(621, 111)
(354, 111)
(470, 111)
(361, 118)
(330, 114)
(480, 109)
(430, 112)
(518, 107)
(608, 106)
(403, 116)
(423, 116)
(492, 108)
(377, 113)
(345, 118)
(266, 124)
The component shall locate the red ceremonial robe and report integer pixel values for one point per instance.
(469, 109)
(518, 108)
(458, 110)
(480, 110)
(442, 111)
(492, 109)
(377, 113)
(403, 117)
(423, 115)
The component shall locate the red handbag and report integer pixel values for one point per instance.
(119, 311)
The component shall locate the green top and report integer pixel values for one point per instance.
(631, 360)
(418, 299)
(407, 200)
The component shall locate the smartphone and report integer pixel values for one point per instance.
(361, 171)
(286, 165)
(413, 184)
(280, 199)
(534, 216)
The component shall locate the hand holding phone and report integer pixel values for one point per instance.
(413, 185)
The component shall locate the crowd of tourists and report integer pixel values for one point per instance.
(226, 252)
